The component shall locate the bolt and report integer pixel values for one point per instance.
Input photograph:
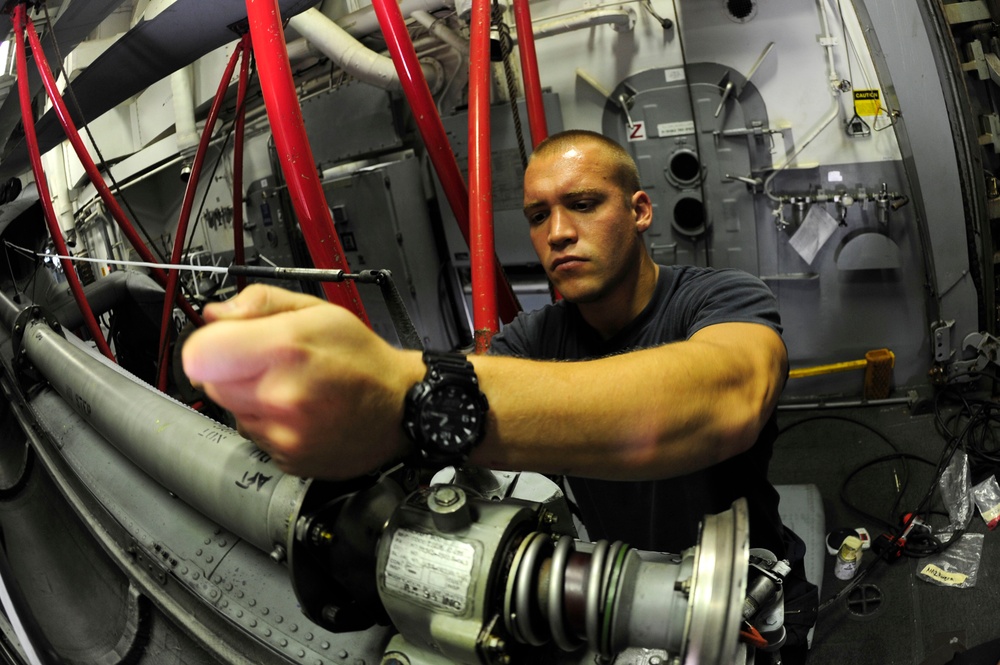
(683, 586)
(655, 660)
(445, 496)
(278, 553)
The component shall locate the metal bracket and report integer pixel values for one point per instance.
(156, 567)
(941, 336)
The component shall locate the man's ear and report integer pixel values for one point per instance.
(642, 206)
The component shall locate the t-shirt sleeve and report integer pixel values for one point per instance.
(511, 341)
(727, 296)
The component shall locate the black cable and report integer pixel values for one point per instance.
(906, 471)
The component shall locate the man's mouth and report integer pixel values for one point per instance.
(566, 262)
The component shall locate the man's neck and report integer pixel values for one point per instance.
(611, 314)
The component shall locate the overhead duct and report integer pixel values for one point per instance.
(354, 57)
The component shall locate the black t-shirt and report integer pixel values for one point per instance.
(663, 515)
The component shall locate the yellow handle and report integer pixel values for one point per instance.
(827, 369)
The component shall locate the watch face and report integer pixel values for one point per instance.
(450, 418)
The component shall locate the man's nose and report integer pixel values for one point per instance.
(562, 228)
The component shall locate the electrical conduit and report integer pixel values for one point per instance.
(354, 57)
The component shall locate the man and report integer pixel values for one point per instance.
(683, 369)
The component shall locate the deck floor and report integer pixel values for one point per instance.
(915, 622)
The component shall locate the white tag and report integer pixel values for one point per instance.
(815, 230)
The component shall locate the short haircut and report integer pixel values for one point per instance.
(626, 173)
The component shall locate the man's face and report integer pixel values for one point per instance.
(585, 229)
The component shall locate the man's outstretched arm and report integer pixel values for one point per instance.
(324, 395)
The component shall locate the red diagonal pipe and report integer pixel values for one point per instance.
(27, 119)
(66, 120)
(484, 301)
(182, 222)
(529, 70)
(296, 156)
(241, 116)
(411, 76)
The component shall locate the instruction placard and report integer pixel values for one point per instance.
(435, 570)
(866, 102)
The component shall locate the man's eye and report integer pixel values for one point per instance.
(537, 217)
(583, 206)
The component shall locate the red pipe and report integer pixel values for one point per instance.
(484, 301)
(27, 119)
(296, 156)
(411, 76)
(529, 70)
(241, 115)
(94, 174)
(182, 222)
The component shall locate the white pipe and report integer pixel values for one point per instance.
(441, 31)
(828, 42)
(350, 54)
(363, 22)
(826, 39)
(622, 18)
(182, 86)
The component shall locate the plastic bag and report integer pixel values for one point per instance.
(954, 485)
(987, 497)
(958, 565)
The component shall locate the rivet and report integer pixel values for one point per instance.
(283, 642)
(198, 552)
(251, 602)
(340, 654)
(209, 559)
(267, 632)
(196, 575)
(253, 623)
(278, 619)
(222, 543)
(239, 614)
(302, 653)
(208, 541)
(292, 628)
(309, 637)
(265, 611)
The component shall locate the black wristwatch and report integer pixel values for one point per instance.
(445, 414)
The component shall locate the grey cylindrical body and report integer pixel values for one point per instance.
(206, 464)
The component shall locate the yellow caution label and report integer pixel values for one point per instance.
(866, 102)
(943, 576)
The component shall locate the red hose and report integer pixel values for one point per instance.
(529, 70)
(21, 21)
(294, 151)
(239, 257)
(66, 120)
(484, 301)
(411, 76)
(182, 222)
